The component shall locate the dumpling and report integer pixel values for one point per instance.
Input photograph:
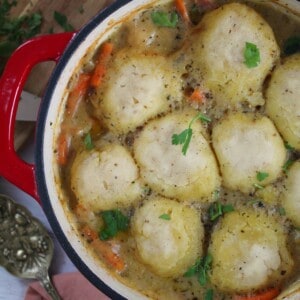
(146, 36)
(217, 47)
(249, 252)
(164, 167)
(290, 198)
(137, 87)
(283, 102)
(106, 178)
(168, 236)
(247, 145)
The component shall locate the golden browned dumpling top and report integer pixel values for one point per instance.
(283, 100)
(247, 145)
(218, 54)
(168, 236)
(249, 252)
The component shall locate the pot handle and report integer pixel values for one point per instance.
(17, 69)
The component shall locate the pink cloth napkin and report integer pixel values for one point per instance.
(70, 286)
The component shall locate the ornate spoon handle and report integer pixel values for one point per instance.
(49, 287)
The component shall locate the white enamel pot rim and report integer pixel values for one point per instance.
(49, 117)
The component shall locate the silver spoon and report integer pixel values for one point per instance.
(26, 249)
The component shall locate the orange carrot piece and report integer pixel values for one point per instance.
(182, 10)
(63, 144)
(111, 257)
(104, 248)
(269, 294)
(100, 68)
(197, 96)
(77, 93)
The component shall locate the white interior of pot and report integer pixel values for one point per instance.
(54, 117)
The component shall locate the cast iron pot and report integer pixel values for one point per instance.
(39, 179)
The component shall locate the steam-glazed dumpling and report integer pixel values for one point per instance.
(290, 198)
(168, 236)
(283, 102)
(249, 250)
(247, 145)
(143, 33)
(105, 179)
(218, 46)
(163, 165)
(137, 88)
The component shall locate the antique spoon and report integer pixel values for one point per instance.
(26, 248)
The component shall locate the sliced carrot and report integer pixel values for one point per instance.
(104, 248)
(100, 68)
(197, 96)
(63, 145)
(269, 294)
(182, 10)
(76, 95)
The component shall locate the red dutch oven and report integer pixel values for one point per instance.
(40, 180)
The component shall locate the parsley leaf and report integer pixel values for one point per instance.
(164, 19)
(184, 137)
(292, 45)
(88, 142)
(166, 217)
(114, 221)
(261, 176)
(251, 55)
(287, 165)
(209, 295)
(62, 20)
(200, 269)
(216, 210)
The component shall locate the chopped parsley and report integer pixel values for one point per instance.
(15, 30)
(62, 20)
(209, 294)
(184, 138)
(88, 142)
(261, 176)
(287, 165)
(216, 210)
(200, 269)
(114, 221)
(251, 55)
(289, 147)
(281, 211)
(164, 19)
(166, 217)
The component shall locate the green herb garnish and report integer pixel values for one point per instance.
(289, 147)
(209, 294)
(200, 269)
(184, 138)
(261, 176)
(15, 31)
(281, 211)
(251, 55)
(287, 165)
(292, 45)
(217, 209)
(166, 217)
(88, 142)
(62, 20)
(164, 19)
(114, 221)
